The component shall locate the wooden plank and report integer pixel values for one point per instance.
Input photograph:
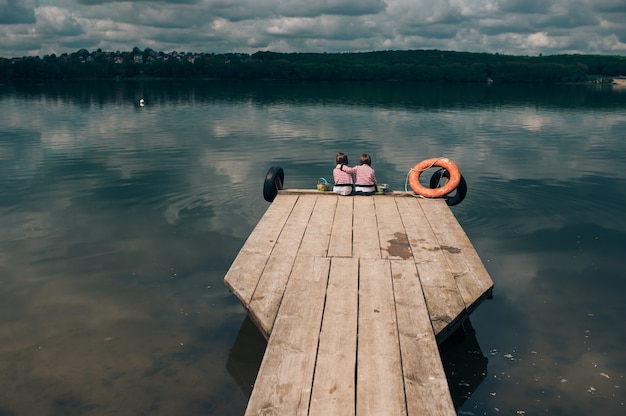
(394, 243)
(244, 273)
(365, 243)
(317, 235)
(283, 385)
(380, 389)
(269, 292)
(425, 383)
(334, 387)
(443, 299)
(468, 269)
(392, 194)
(367, 286)
(341, 234)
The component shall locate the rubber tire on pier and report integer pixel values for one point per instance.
(274, 180)
(461, 189)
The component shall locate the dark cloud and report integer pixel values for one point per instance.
(525, 6)
(504, 26)
(12, 12)
(238, 10)
(512, 25)
(453, 17)
(574, 17)
(435, 31)
(98, 2)
(162, 17)
(619, 33)
(23, 44)
(309, 8)
(76, 43)
(618, 6)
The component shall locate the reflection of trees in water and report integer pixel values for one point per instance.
(464, 363)
(391, 95)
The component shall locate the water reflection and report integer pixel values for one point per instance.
(119, 223)
(383, 94)
(464, 363)
(246, 355)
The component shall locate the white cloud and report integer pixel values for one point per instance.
(504, 26)
(538, 41)
(57, 22)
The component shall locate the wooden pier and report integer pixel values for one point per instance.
(354, 294)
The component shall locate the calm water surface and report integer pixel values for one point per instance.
(119, 223)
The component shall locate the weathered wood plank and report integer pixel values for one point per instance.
(341, 234)
(444, 302)
(244, 273)
(472, 278)
(368, 291)
(283, 385)
(269, 292)
(334, 387)
(425, 381)
(394, 243)
(392, 194)
(317, 235)
(380, 389)
(365, 243)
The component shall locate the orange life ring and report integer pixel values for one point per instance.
(450, 166)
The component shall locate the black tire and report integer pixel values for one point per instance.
(461, 189)
(274, 180)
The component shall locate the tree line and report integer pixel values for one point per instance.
(413, 65)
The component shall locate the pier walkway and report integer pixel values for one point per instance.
(354, 294)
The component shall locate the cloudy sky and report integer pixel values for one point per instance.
(520, 27)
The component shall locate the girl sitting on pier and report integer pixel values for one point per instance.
(344, 182)
(365, 175)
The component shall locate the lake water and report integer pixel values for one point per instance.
(119, 223)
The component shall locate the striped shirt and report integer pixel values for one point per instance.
(341, 179)
(365, 175)
(343, 176)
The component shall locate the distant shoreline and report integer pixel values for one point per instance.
(429, 66)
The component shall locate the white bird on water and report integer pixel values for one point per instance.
(141, 102)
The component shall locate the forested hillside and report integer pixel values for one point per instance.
(415, 65)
